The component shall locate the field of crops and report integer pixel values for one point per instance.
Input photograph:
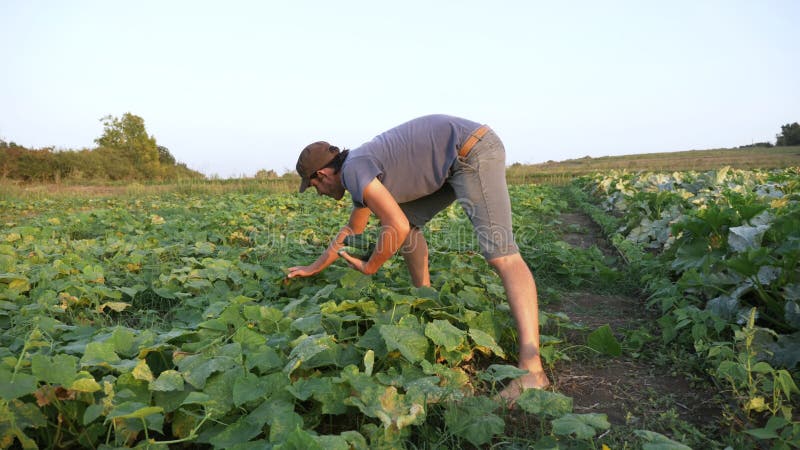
(718, 253)
(165, 321)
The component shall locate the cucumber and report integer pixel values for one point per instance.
(359, 246)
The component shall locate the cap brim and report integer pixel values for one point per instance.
(304, 184)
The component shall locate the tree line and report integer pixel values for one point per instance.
(124, 152)
(789, 136)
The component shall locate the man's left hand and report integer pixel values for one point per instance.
(355, 263)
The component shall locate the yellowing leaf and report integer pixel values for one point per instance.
(85, 385)
(369, 362)
(756, 404)
(779, 202)
(19, 285)
(114, 306)
(142, 371)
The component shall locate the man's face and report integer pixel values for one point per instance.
(326, 182)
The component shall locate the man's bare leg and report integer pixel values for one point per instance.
(415, 253)
(521, 292)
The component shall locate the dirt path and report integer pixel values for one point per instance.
(633, 391)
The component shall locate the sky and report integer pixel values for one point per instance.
(234, 87)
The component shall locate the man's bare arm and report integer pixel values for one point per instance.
(394, 228)
(358, 221)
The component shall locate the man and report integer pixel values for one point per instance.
(405, 176)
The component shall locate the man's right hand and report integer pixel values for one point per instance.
(301, 271)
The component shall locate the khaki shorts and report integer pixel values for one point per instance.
(478, 182)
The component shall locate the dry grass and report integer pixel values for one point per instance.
(557, 173)
(747, 158)
(33, 191)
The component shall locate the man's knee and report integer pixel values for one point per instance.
(415, 240)
(507, 262)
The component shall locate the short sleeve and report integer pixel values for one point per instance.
(357, 173)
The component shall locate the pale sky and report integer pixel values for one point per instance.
(234, 87)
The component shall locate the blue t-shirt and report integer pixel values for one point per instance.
(412, 160)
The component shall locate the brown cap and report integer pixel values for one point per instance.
(313, 158)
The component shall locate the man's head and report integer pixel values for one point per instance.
(316, 167)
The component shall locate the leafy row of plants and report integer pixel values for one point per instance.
(166, 321)
(719, 252)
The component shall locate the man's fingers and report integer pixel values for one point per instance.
(350, 260)
(294, 271)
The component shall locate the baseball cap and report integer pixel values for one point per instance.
(313, 158)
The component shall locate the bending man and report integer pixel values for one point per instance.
(405, 176)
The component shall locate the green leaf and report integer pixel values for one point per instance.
(196, 398)
(603, 341)
(541, 402)
(332, 442)
(484, 340)
(443, 333)
(355, 280)
(22, 384)
(583, 426)
(220, 388)
(134, 410)
(792, 314)
(473, 419)
(265, 359)
(196, 369)
(499, 372)
(657, 441)
(94, 274)
(786, 351)
(99, 354)
(282, 419)
(761, 367)
(248, 388)
(411, 343)
(300, 439)
(238, 433)
(92, 412)
(732, 371)
(309, 347)
(762, 433)
(546, 443)
(60, 370)
(168, 380)
(249, 339)
(304, 388)
(786, 383)
(372, 340)
(332, 397)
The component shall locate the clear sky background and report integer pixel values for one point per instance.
(234, 87)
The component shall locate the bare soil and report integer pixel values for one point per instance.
(630, 391)
(582, 232)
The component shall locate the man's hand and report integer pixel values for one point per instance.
(355, 263)
(301, 271)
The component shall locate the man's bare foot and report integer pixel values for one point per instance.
(511, 393)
